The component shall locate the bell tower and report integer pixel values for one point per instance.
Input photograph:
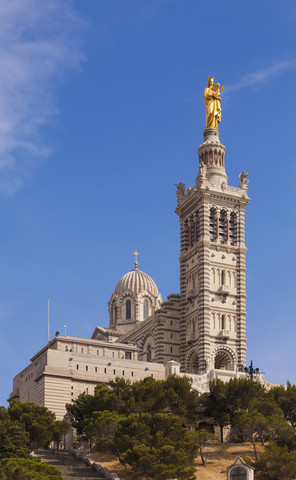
(212, 257)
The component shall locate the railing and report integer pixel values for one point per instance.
(223, 333)
(224, 289)
(192, 293)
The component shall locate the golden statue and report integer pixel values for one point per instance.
(213, 103)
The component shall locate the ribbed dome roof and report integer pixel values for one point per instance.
(136, 281)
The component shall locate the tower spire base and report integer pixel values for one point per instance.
(211, 157)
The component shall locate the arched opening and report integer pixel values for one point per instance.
(238, 473)
(192, 236)
(148, 353)
(222, 227)
(212, 226)
(194, 364)
(145, 309)
(232, 229)
(128, 310)
(196, 226)
(112, 316)
(223, 361)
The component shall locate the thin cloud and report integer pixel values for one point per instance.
(262, 76)
(39, 43)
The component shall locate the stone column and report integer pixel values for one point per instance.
(241, 288)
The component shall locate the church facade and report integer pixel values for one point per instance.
(200, 332)
(204, 327)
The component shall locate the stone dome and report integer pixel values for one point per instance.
(137, 282)
(135, 298)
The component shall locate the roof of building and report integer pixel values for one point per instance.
(136, 281)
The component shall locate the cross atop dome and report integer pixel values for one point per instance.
(136, 260)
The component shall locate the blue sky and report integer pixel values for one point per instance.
(101, 113)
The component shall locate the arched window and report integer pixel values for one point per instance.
(128, 310)
(232, 229)
(194, 364)
(222, 227)
(192, 235)
(238, 473)
(223, 322)
(148, 353)
(196, 226)
(145, 309)
(212, 226)
(222, 277)
(223, 361)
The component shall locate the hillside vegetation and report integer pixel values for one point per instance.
(23, 428)
(158, 428)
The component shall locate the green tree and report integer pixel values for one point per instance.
(100, 427)
(14, 441)
(214, 405)
(27, 469)
(265, 405)
(252, 426)
(148, 395)
(60, 428)
(156, 445)
(240, 392)
(105, 398)
(286, 400)
(276, 463)
(181, 399)
(37, 421)
(205, 439)
(281, 432)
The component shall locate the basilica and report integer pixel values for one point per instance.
(200, 332)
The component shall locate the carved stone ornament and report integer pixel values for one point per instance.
(180, 192)
(243, 179)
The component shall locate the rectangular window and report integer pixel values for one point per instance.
(171, 349)
(98, 352)
(132, 374)
(105, 370)
(123, 373)
(96, 369)
(86, 368)
(86, 390)
(114, 371)
(82, 350)
(77, 367)
(128, 355)
(113, 354)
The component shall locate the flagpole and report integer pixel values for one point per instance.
(48, 333)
